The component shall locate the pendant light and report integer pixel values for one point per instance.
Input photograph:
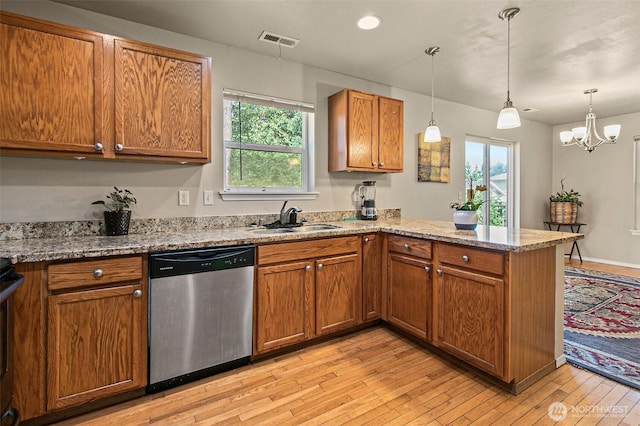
(432, 134)
(508, 118)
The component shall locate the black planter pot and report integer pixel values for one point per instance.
(117, 223)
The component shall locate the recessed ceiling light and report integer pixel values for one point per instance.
(369, 22)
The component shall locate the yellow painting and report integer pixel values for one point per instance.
(434, 160)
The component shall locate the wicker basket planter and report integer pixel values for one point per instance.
(563, 212)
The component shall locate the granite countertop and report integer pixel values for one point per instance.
(46, 249)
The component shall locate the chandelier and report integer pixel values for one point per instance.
(587, 136)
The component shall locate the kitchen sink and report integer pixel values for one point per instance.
(319, 227)
(275, 231)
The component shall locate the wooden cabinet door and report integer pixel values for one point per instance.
(471, 318)
(51, 96)
(362, 141)
(284, 305)
(338, 293)
(391, 134)
(96, 344)
(371, 276)
(162, 100)
(410, 294)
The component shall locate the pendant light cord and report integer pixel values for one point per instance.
(508, 58)
(432, 87)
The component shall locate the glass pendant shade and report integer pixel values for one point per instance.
(509, 117)
(579, 133)
(432, 134)
(612, 132)
(566, 136)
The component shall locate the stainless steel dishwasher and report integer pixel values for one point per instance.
(200, 313)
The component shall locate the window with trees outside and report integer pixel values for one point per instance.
(490, 162)
(268, 146)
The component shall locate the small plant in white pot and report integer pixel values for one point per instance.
(117, 216)
(466, 214)
(563, 206)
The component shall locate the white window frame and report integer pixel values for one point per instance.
(307, 190)
(512, 216)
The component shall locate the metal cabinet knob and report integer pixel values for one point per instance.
(366, 240)
(97, 273)
(374, 164)
(320, 266)
(137, 293)
(119, 147)
(406, 246)
(427, 269)
(465, 258)
(307, 268)
(381, 164)
(98, 146)
(439, 272)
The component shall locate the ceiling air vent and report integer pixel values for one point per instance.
(278, 39)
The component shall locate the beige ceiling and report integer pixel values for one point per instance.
(559, 48)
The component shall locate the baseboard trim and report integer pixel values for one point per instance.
(610, 262)
(561, 360)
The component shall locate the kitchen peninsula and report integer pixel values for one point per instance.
(490, 299)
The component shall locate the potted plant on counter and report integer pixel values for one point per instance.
(563, 206)
(466, 214)
(117, 216)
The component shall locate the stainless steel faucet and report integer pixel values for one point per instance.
(285, 216)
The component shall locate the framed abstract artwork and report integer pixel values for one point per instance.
(434, 160)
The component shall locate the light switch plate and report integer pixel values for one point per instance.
(208, 198)
(183, 198)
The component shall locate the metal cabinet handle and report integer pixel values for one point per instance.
(465, 258)
(366, 240)
(307, 268)
(439, 271)
(97, 273)
(426, 268)
(137, 293)
(374, 164)
(119, 147)
(320, 266)
(98, 146)
(381, 164)
(406, 246)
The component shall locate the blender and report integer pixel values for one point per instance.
(367, 196)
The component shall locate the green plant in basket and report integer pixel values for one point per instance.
(563, 196)
(119, 199)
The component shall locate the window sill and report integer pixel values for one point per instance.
(635, 232)
(262, 196)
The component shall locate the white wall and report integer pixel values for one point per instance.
(37, 189)
(605, 179)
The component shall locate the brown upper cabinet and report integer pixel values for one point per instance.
(69, 92)
(366, 132)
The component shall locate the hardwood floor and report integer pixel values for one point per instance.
(603, 267)
(374, 377)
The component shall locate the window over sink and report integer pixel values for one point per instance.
(268, 147)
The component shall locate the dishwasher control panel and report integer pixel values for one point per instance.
(183, 262)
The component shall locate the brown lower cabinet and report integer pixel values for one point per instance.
(306, 289)
(372, 269)
(93, 340)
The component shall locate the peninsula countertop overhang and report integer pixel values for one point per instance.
(489, 237)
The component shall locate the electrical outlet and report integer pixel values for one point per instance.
(183, 198)
(208, 198)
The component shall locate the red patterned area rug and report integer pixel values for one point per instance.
(602, 324)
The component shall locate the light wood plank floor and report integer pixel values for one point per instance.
(373, 377)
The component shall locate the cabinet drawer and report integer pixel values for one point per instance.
(94, 272)
(411, 246)
(287, 252)
(473, 258)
